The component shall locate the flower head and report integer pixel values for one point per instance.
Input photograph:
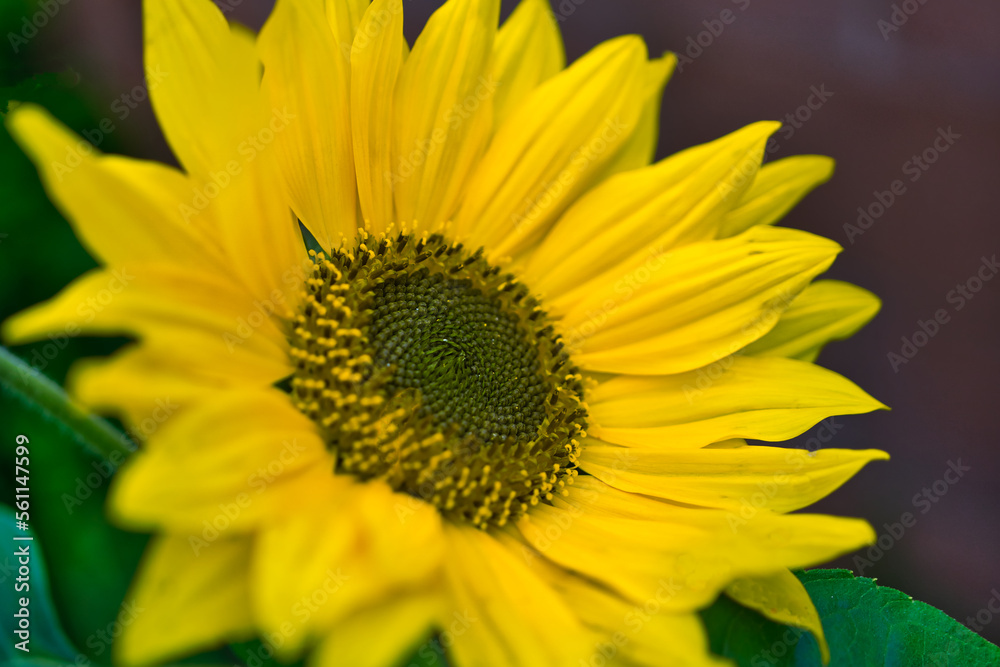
(501, 404)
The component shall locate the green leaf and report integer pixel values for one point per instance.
(45, 635)
(866, 624)
(870, 624)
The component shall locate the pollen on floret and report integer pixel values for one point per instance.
(424, 366)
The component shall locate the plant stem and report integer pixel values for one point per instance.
(50, 399)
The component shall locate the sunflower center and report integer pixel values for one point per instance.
(476, 371)
(425, 367)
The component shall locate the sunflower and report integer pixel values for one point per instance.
(430, 356)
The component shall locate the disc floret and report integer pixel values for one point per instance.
(425, 366)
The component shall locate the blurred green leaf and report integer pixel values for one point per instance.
(749, 638)
(865, 624)
(45, 636)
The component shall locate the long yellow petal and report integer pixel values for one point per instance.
(203, 598)
(528, 51)
(779, 479)
(779, 186)
(519, 619)
(693, 552)
(208, 101)
(340, 553)
(145, 390)
(306, 74)
(635, 217)
(344, 17)
(384, 634)
(443, 111)
(553, 146)
(640, 148)
(376, 59)
(203, 80)
(695, 305)
(158, 302)
(739, 397)
(635, 635)
(782, 598)
(123, 210)
(826, 311)
(224, 468)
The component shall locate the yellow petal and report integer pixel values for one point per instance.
(640, 148)
(376, 59)
(641, 635)
(123, 210)
(739, 397)
(527, 52)
(204, 600)
(782, 480)
(308, 76)
(223, 467)
(169, 308)
(634, 218)
(144, 390)
(825, 311)
(782, 598)
(514, 618)
(344, 17)
(207, 99)
(695, 305)
(443, 110)
(203, 81)
(553, 146)
(382, 635)
(341, 553)
(779, 186)
(633, 543)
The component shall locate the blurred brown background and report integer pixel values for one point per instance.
(890, 87)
